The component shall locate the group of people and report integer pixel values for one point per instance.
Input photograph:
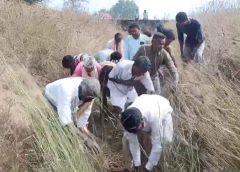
(129, 72)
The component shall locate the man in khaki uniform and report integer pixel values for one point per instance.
(158, 56)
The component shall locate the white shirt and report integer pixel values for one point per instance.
(132, 45)
(63, 94)
(123, 70)
(156, 111)
(145, 16)
(103, 55)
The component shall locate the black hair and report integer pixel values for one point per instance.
(181, 17)
(160, 27)
(115, 56)
(147, 32)
(143, 62)
(118, 37)
(169, 34)
(130, 119)
(158, 35)
(133, 25)
(67, 61)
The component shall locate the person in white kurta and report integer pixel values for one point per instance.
(151, 114)
(73, 98)
(122, 77)
(68, 94)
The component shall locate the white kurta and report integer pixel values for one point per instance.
(63, 94)
(132, 45)
(156, 111)
(120, 93)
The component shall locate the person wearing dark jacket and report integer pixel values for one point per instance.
(193, 46)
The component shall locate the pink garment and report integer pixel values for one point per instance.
(112, 45)
(78, 58)
(80, 71)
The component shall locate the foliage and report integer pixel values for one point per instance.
(74, 4)
(124, 9)
(33, 1)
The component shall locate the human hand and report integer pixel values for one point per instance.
(92, 146)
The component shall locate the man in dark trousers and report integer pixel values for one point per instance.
(193, 46)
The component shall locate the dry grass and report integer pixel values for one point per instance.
(207, 129)
(36, 38)
(207, 105)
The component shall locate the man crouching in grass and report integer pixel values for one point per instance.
(73, 99)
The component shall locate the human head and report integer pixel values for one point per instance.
(146, 32)
(118, 37)
(141, 65)
(160, 27)
(158, 41)
(89, 64)
(115, 56)
(181, 18)
(68, 61)
(134, 30)
(131, 120)
(145, 11)
(170, 36)
(88, 89)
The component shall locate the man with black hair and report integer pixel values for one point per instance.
(71, 62)
(73, 98)
(148, 115)
(134, 41)
(193, 46)
(122, 79)
(158, 56)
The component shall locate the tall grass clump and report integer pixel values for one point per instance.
(33, 41)
(41, 37)
(53, 148)
(218, 6)
(207, 104)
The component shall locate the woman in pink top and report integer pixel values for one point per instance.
(88, 68)
(116, 44)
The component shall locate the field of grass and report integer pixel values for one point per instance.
(33, 41)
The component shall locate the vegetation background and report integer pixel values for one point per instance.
(33, 41)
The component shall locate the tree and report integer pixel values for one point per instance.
(124, 9)
(33, 1)
(74, 4)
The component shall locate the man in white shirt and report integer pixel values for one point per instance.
(123, 77)
(145, 15)
(73, 98)
(134, 41)
(152, 115)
